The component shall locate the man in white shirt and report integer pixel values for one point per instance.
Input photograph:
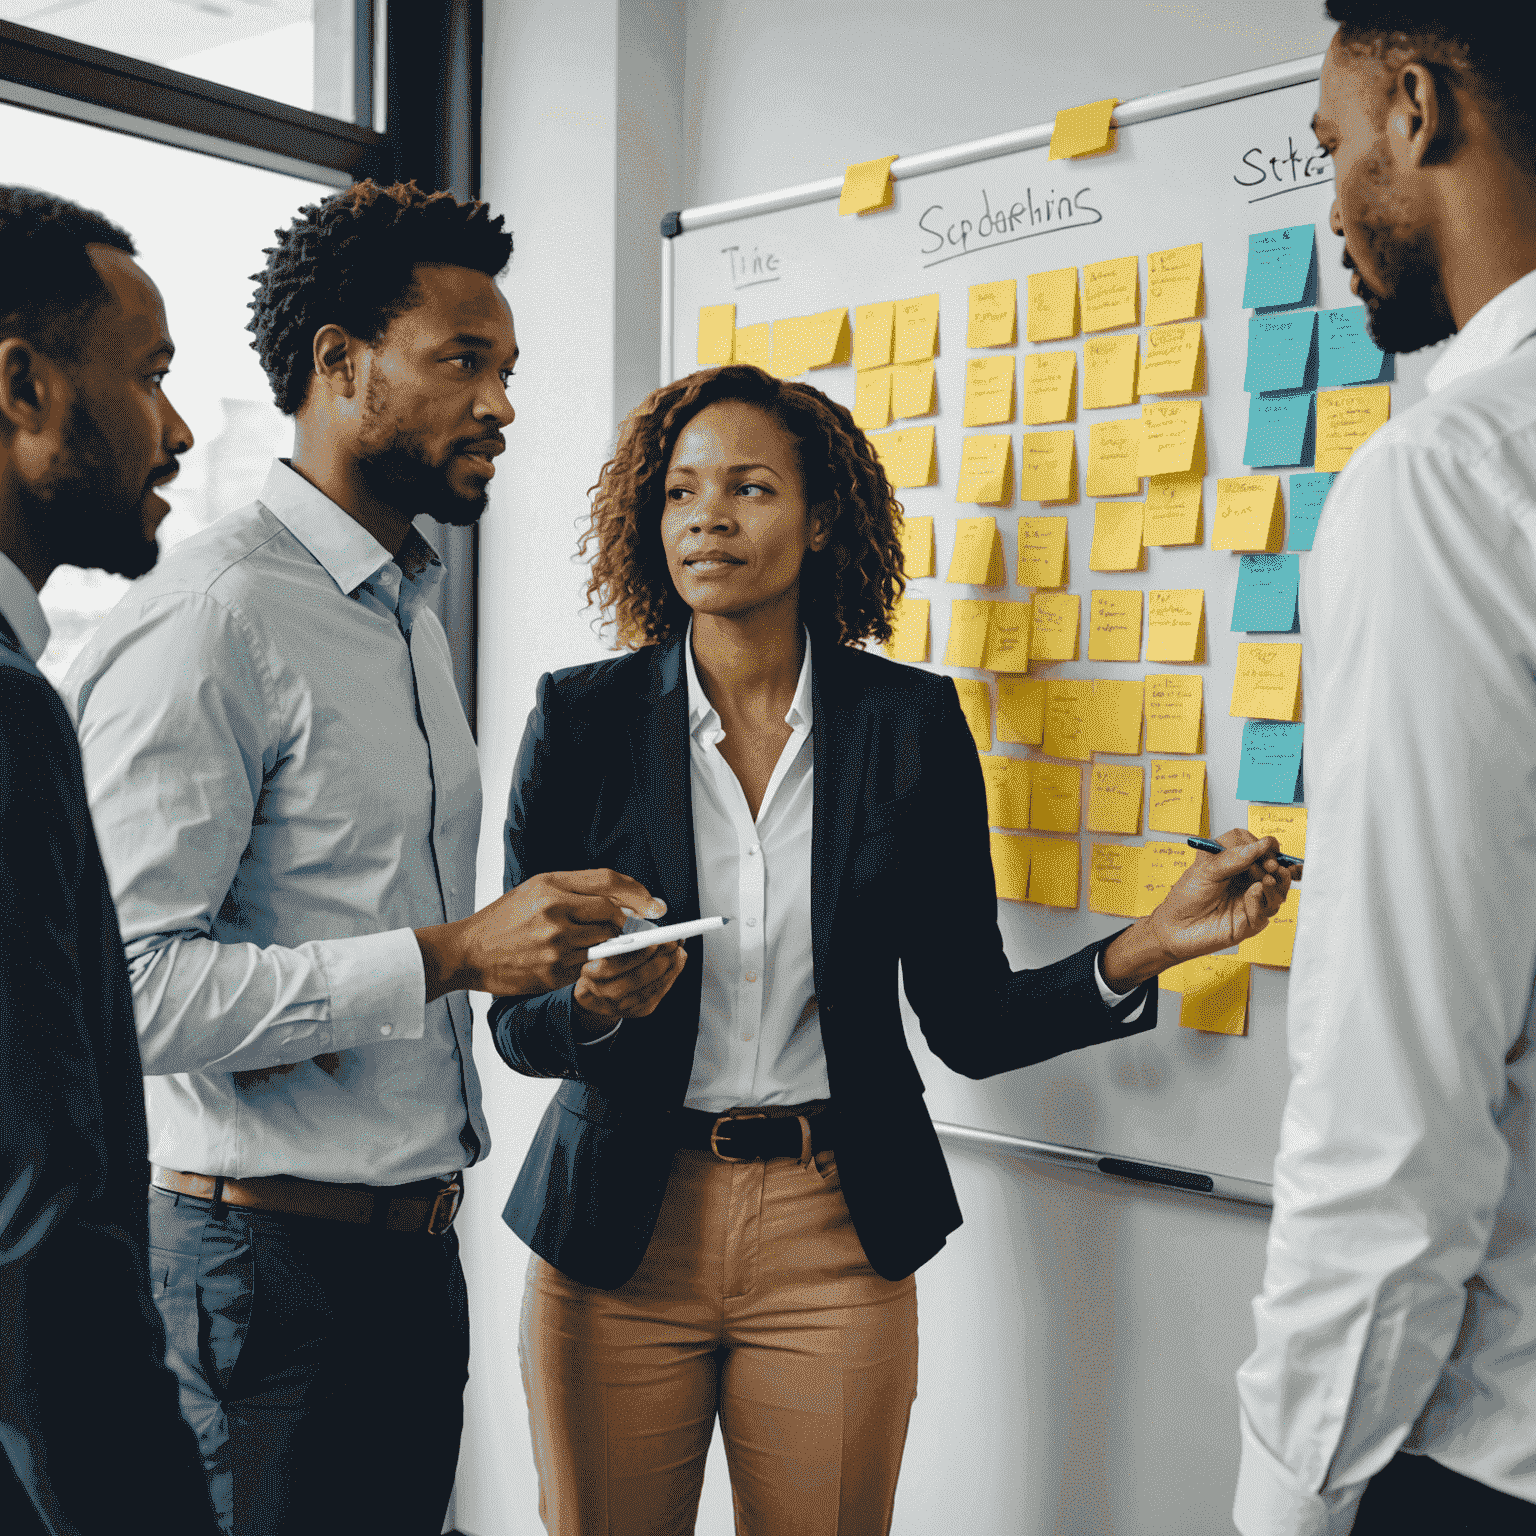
(288, 801)
(1396, 1354)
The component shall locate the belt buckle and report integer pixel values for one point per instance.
(454, 1193)
(714, 1137)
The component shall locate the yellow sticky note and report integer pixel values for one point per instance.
(1048, 387)
(1010, 866)
(1114, 798)
(993, 318)
(976, 706)
(717, 335)
(872, 399)
(1175, 284)
(1161, 866)
(1345, 418)
(967, 642)
(1007, 780)
(917, 329)
(867, 186)
(909, 626)
(986, 470)
(826, 339)
(917, 546)
(1287, 824)
(1066, 718)
(1176, 624)
(1057, 618)
(1249, 514)
(912, 390)
(1021, 710)
(1172, 437)
(1267, 682)
(1042, 551)
(1111, 295)
(1109, 371)
(1175, 711)
(1274, 945)
(1053, 872)
(977, 556)
(906, 455)
(1114, 626)
(988, 391)
(754, 344)
(792, 344)
(1082, 130)
(1047, 466)
(1052, 305)
(1056, 798)
(1114, 716)
(1173, 510)
(1215, 991)
(1116, 536)
(1174, 362)
(1178, 798)
(872, 329)
(1114, 878)
(1008, 629)
(1114, 452)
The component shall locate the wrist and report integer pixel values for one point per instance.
(586, 1024)
(1133, 957)
(444, 960)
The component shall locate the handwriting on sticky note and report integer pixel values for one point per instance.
(1266, 594)
(1174, 711)
(1176, 624)
(988, 391)
(913, 392)
(1161, 866)
(1308, 492)
(1175, 360)
(717, 335)
(1114, 626)
(867, 186)
(1248, 514)
(1173, 510)
(1084, 130)
(1047, 462)
(1057, 620)
(1116, 536)
(906, 455)
(1109, 371)
(1114, 717)
(1270, 765)
(1174, 284)
(1056, 797)
(1172, 437)
(1008, 631)
(976, 706)
(1345, 418)
(1051, 314)
(1042, 551)
(1007, 780)
(1114, 878)
(1346, 353)
(1010, 866)
(917, 546)
(909, 630)
(1215, 995)
(872, 399)
(1067, 701)
(993, 317)
(1277, 430)
(967, 642)
(1021, 710)
(1114, 451)
(872, 330)
(1114, 798)
(1053, 871)
(986, 470)
(1110, 294)
(975, 545)
(1275, 944)
(1280, 351)
(1049, 394)
(916, 336)
(1279, 266)
(1178, 798)
(1267, 682)
(1287, 824)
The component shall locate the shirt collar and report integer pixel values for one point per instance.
(702, 713)
(23, 612)
(350, 554)
(1490, 335)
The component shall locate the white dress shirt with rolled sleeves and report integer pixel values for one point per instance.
(1399, 1300)
(284, 786)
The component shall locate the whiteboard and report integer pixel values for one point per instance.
(1212, 164)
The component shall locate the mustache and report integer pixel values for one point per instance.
(162, 474)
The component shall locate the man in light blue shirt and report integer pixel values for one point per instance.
(288, 801)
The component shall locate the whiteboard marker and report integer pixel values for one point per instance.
(1210, 845)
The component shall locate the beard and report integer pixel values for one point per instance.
(1408, 310)
(87, 516)
(397, 467)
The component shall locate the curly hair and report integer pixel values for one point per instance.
(350, 261)
(847, 589)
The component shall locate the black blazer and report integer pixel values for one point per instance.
(88, 1412)
(901, 870)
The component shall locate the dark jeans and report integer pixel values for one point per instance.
(1415, 1493)
(322, 1366)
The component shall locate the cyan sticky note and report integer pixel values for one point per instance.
(1280, 351)
(1307, 495)
(1346, 353)
(1266, 594)
(1279, 266)
(1271, 765)
(1280, 430)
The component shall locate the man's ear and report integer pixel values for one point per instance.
(1422, 120)
(29, 385)
(335, 359)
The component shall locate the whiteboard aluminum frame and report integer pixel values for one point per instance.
(1186, 98)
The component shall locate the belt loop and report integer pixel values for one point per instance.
(218, 1208)
(805, 1140)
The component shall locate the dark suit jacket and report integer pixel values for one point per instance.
(901, 870)
(91, 1431)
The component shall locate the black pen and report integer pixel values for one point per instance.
(1210, 845)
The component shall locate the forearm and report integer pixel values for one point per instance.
(548, 1035)
(1134, 956)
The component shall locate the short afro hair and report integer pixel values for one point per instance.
(1471, 43)
(351, 261)
(847, 590)
(49, 289)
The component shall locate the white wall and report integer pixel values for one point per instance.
(1078, 1338)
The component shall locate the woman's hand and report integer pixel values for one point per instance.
(626, 986)
(1220, 900)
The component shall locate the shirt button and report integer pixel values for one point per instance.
(751, 922)
(386, 1029)
(752, 852)
(748, 1035)
(751, 975)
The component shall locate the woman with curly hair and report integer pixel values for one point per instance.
(729, 1194)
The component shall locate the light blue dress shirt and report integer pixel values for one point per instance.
(284, 786)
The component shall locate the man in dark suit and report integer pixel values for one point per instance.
(89, 1423)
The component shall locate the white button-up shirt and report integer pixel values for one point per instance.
(1399, 1300)
(284, 786)
(23, 612)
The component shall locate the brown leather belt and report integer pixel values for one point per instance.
(425, 1207)
(752, 1135)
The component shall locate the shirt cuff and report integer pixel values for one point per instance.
(1114, 999)
(609, 1036)
(378, 987)
(1269, 1502)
